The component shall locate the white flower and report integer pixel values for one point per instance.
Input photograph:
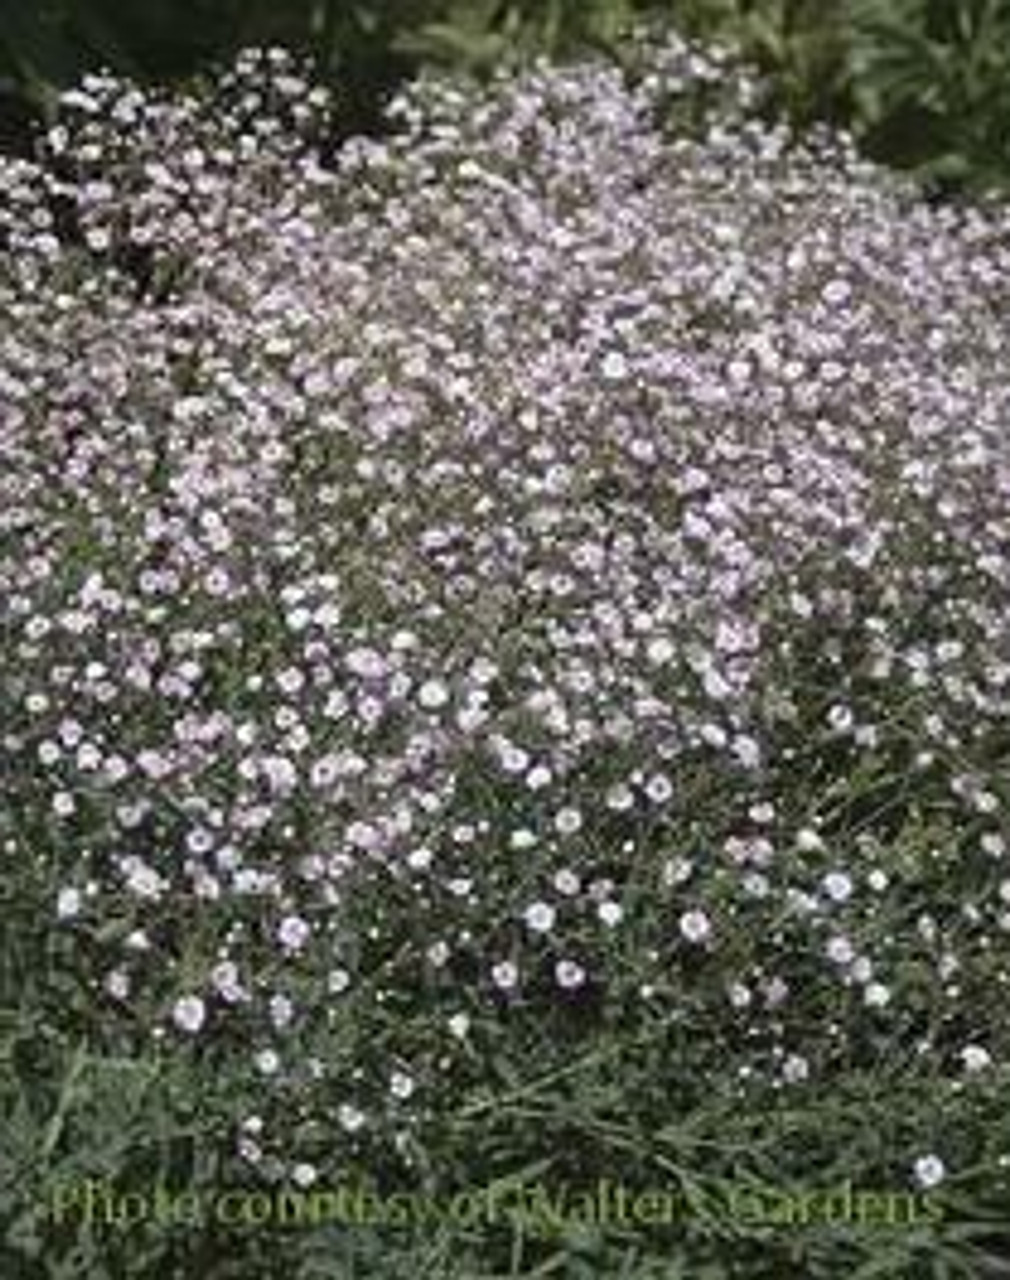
(620, 798)
(660, 651)
(840, 950)
(762, 813)
(614, 366)
(281, 1011)
(540, 917)
(676, 871)
(505, 975)
(225, 980)
(567, 882)
(876, 995)
(929, 1171)
(795, 1069)
(433, 694)
(747, 750)
(419, 859)
(350, 1118)
(659, 788)
(338, 981)
(68, 903)
(610, 913)
(775, 992)
(569, 974)
(117, 984)
(366, 663)
(267, 1062)
(459, 1025)
(838, 886)
(143, 880)
(514, 759)
(695, 926)
(293, 933)
(538, 777)
(861, 969)
(189, 1013)
(363, 835)
(975, 1058)
(567, 821)
(401, 1085)
(304, 1175)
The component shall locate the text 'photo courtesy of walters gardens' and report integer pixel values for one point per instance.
(534, 1208)
(504, 660)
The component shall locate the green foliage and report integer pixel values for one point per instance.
(923, 84)
(932, 86)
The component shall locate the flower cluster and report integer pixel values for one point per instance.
(540, 565)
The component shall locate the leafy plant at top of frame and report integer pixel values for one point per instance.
(477, 36)
(932, 87)
(803, 47)
(923, 84)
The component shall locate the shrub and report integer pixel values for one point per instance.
(504, 664)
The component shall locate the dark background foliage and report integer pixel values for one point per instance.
(924, 84)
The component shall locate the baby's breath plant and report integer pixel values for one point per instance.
(504, 671)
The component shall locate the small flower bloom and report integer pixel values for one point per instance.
(569, 974)
(567, 882)
(350, 1118)
(610, 913)
(660, 651)
(929, 1171)
(304, 1175)
(433, 694)
(293, 933)
(975, 1058)
(567, 821)
(540, 917)
(459, 1025)
(267, 1062)
(613, 366)
(876, 995)
(68, 903)
(695, 926)
(659, 788)
(401, 1085)
(189, 1013)
(795, 1069)
(281, 1011)
(837, 886)
(538, 777)
(338, 981)
(505, 975)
